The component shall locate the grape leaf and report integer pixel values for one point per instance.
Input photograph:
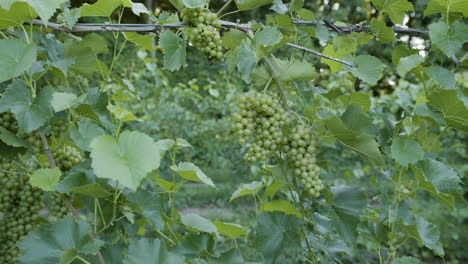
(247, 61)
(100, 8)
(145, 41)
(173, 49)
(44, 8)
(275, 233)
(198, 223)
(449, 39)
(429, 186)
(384, 33)
(47, 243)
(283, 206)
(150, 251)
(406, 64)
(268, 36)
(45, 179)
(30, 113)
(442, 76)
(15, 57)
(251, 4)
(426, 233)
(360, 142)
(18, 13)
(347, 203)
(228, 229)
(452, 108)
(406, 150)
(331, 51)
(368, 68)
(62, 101)
(11, 139)
(86, 131)
(149, 205)
(195, 3)
(446, 6)
(137, 8)
(233, 38)
(127, 159)
(396, 9)
(406, 260)
(444, 178)
(247, 189)
(191, 172)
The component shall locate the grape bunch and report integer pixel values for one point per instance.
(58, 127)
(66, 157)
(260, 122)
(34, 139)
(8, 121)
(301, 149)
(58, 208)
(204, 34)
(20, 204)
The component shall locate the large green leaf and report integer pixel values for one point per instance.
(18, 13)
(406, 150)
(346, 203)
(429, 186)
(396, 9)
(150, 251)
(452, 108)
(145, 41)
(447, 6)
(44, 8)
(15, 57)
(360, 142)
(127, 159)
(100, 8)
(198, 223)
(275, 233)
(46, 179)
(30, 112)
(251, 4)
(173, 49)
(384, 33)
(85, 132)
(268, 36)
(336, 53)
(406, 64)
(228, 229)
(11, 139)
(149, 205)
(442, 76)
(233, 38)
(368, 68)
(449, 39)
(283, 206)
(247, 60)
(444, 178)
(48, 243)
(191, 172)
(247, 189)
(426, 233)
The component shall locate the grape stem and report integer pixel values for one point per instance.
(276, 76)
(52, 164)
(223, 7)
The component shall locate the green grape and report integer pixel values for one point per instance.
(204, 35)
(58, 127)
(300, 149)
(34, 139)
(66, 157)
(20, 204)
(8, 121)
(261, 118)
(58, 208)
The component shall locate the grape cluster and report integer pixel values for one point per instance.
(301, 149)
(66, 157)
(58, 208)
(34, 139)
(204, 34)
(8, 121)
(261, 117)
(20, 204)
(58, 127)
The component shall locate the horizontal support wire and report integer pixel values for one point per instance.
(340, 29)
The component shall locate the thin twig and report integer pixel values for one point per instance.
(349, 28)
(47, 151)
(350, 64)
